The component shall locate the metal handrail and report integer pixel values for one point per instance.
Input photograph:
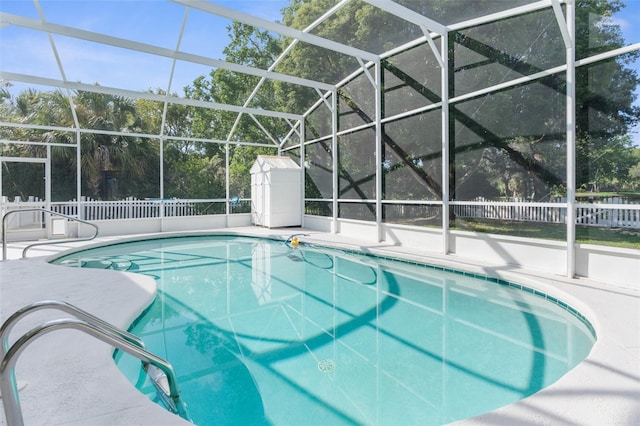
(110, 334)
(8, 325)
(24, 252)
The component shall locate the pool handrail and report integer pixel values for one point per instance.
(110, 334)
(8, 325)
(51, 212)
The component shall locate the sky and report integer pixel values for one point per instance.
(155, 22)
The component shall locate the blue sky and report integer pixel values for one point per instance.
(155, 22)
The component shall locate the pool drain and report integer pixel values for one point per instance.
(326, 365)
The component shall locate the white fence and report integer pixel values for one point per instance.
(129, 208)
(529, 212)
(626, 215)
(613, 212)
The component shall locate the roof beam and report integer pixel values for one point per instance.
(531, 7)
(497, 16)
(165, 107)
(142, 95)
(264, 130)
(6, 18)
(294, 130)
(562, 24)
(54, 49)
(434, 48)
(409, 15)
(235, 15)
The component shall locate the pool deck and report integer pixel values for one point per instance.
(69, 378)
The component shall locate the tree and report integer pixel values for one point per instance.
(606, 109)
(633, 183)
(106, 158)
(519, 129)
(42, 109)
(249, 46)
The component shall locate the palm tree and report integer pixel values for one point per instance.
(104, 156)
(107, 156)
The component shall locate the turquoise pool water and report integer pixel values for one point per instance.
(262, 333)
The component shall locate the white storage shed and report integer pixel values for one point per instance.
(276, 192)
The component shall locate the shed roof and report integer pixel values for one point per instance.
(266, 163)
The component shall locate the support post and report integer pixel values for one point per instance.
(571, 141)
(378, 100)
(304, 171)
(444, 73)
(334, 159)
(79, 176)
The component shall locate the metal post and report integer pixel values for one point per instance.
(302, 166)
(161, 183)
(444, 88)
(334, 159)
(378, 100)
(79, 176)
(571, 142)
(47, 180)
(227, 174)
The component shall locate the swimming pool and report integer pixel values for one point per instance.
(260, 332)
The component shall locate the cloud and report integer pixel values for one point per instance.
(622, 23)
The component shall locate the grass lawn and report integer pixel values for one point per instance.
(614, 237)
(630, 195)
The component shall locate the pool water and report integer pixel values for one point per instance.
(259, 332)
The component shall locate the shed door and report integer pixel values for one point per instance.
(257, 199)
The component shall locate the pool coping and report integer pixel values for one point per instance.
(603, 389)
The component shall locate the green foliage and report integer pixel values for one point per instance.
(634, 171)
(194, 176)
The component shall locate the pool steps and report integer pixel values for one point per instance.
(101, 263)
(159, 370)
